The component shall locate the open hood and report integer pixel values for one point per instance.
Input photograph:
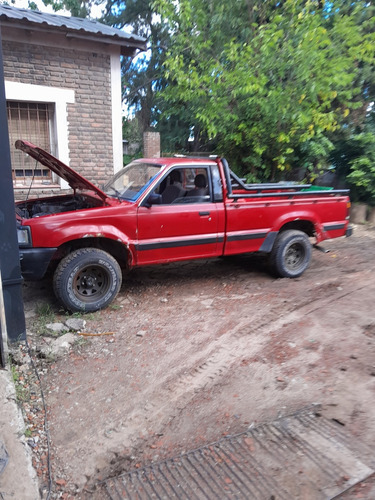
(69, 175)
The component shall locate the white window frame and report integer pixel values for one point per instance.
(60, 98)
(118, 161)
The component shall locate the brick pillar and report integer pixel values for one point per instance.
(151, 145)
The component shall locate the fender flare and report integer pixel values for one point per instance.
(270, 239)
(105, 233)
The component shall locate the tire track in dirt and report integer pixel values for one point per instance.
(236, 343)
(212, 363)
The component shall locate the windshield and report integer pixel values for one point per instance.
(131, 181)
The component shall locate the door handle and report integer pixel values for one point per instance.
(202, 214)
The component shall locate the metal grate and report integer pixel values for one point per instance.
(29, 121)
(300, 456)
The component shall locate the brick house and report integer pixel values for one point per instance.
(63, 90)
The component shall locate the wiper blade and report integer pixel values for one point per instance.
(117, 193)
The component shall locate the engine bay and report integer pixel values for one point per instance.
(55, 205)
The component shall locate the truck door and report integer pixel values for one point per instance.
(188, 224)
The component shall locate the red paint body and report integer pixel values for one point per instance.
(138, 233)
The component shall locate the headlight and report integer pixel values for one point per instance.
(24, 236)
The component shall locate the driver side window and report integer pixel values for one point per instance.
(185, 185)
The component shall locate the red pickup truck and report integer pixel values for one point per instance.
(164, 210)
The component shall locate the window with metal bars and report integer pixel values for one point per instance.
(30, 122)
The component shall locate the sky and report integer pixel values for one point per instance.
(24, 4)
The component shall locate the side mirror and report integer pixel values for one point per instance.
(153, 199)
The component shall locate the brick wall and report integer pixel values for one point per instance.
(151, 145)
(90, 117)
(33, 193)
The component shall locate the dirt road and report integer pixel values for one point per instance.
(201, 349)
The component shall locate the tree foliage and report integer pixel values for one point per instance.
(272, 82)
(278, 87)
(362, 168)
(354, 157)
(142, 78)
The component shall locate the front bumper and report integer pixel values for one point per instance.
(35, 261)
(349, 231)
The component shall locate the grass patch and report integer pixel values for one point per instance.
(44, 310)
(83, 315)
(22, 392)
(28, 433)
(115, 307)
(45, 315)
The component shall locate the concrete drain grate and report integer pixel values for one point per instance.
(301, 456)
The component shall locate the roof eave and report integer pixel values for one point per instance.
(128, 46)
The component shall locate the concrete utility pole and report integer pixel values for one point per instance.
(9, 254)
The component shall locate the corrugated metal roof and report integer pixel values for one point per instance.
(71, 24)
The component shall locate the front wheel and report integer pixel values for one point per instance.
(87, 279)
(291, 254)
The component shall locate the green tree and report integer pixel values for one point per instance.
(274, 86)
(354, 159)
(362, 168)
(144, 77)
(270, 82)
(354, 153)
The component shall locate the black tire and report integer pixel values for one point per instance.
(87, 279)
(291, 254)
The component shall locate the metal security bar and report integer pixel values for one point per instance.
(29, 121)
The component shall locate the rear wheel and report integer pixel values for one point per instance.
(291, 254)
(87, 279)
